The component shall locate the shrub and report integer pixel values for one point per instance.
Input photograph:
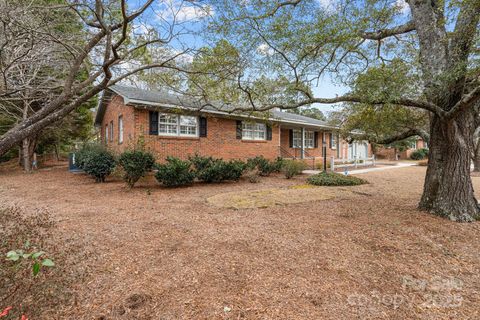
(175, 173)
(319, 164)
(265, 166)
(233, 170)
(30, 281)
(334, 179)
(99, 163)
(82, 155)
(419, 154)
(135, 165)
(210, 170)
(293, 168)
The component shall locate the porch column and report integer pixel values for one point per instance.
(302, 153)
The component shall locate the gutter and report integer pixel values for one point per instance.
(142, 102)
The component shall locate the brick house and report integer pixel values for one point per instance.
(169, 125)
(391, 153)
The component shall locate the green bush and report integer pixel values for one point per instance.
(292, 168)
(334, 179)
(135, 165)
(265, 166)
(233, 170)
(211, 170)
(82, 155)
(419, 154)
(99, 163)
(175, 173)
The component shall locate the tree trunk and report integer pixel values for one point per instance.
(448, 190)
(27, 160)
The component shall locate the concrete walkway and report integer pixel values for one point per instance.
(359, 171)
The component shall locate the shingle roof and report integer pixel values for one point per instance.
(135, 96)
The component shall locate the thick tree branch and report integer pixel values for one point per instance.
(385, 33)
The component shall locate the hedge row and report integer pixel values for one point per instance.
(98, 162)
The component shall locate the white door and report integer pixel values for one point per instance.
(362, 151)
(351, 151)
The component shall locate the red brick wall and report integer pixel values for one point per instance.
(221, 141)
(115, 109)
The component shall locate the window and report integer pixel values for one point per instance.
(254, 131)
(309, 139)
(176, 125)
(297, 138)
(333, 141)
(188, 126)
(120, 129)
(414, 145)
(106, 133)
(111, 130)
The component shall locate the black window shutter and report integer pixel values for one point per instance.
(203, 127)
(154, 122)
(290, 137)
(315, 140)
(269, 133)
(239, 129)
(331, 140)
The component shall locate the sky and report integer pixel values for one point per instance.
(189, 16)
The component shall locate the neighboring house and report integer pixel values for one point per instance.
(391, 153)
(170, 125)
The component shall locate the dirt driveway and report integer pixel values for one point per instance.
(363, 253)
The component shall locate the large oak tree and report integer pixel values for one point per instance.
(304, 42)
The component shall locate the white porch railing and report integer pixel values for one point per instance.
(352, 163)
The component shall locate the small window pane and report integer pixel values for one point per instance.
(188, 125)
(254, 131)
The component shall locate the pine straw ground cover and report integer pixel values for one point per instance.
(365, 253)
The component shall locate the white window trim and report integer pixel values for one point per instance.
(333, 138)
(177, 133)
(297, 131)
(107, 128)
(120, 129)
(312, 146)
(254, 130)
(111, 131)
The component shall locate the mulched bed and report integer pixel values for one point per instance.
(366, 253)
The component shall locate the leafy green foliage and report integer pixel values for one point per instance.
(82, 155)
(175, 173)
(419, 154)
(292, 168)
(135, 165)
(18, 256)
(209, 169)
(98, 162)
(334, 179)
(378, 122)
(265, 166)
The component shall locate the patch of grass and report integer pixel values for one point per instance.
(334, 179)
(269, 197)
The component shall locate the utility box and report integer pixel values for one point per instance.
(72, 165)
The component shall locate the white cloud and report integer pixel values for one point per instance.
(184, 11)
(265, 50)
